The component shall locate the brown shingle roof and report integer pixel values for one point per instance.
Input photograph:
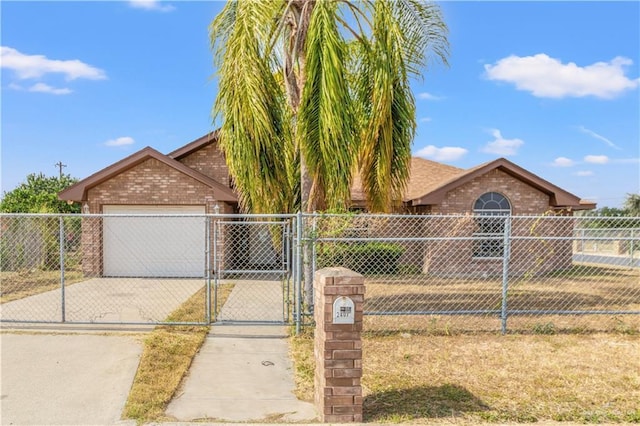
(425, 176)
(558, 197)
(430, 181)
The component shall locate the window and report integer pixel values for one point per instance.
(492, 210)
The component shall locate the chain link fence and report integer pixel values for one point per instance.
(426, 274)
(452, 274)
(98, 269)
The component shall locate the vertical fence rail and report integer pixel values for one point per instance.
(298, 270)
(61, 242)
(216, 269)
(207, 237)
(506, 255)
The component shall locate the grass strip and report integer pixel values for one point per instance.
(166, 357)
(304, 364)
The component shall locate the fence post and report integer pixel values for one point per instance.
(506, 254)
(207, 233)
(61, 250)
(216, 276)
(631, 248)
(298, 278)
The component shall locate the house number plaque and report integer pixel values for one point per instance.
(344, 311)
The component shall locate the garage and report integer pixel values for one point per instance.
(154, 246)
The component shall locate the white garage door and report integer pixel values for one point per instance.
(154, 246)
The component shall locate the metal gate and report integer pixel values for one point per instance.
(252, 277)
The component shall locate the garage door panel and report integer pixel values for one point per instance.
(156, 246)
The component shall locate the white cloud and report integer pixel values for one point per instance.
(35, 66)
(446, 153)
(597, 136)
(425, 119)
(547, 77)
(502, 146)
(151, 5)
(45, 88)
(584, 173)
(563, 162)
(429, 97)
(121, 141)
(596, 159)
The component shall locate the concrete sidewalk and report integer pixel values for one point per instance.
(242, 373)
(66, 379)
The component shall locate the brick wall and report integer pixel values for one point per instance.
(209, 161)
(524, 199)
(449, 256)
(153, 183)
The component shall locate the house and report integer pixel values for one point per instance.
(194, 179)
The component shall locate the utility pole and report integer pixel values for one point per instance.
(59, 165)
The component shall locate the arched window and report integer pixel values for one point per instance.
(493, 210)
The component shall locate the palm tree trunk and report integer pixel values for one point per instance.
(298, 22)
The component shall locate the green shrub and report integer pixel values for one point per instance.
(365, 258)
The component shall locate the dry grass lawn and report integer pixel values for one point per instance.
(19, 284)
(578, 289)
(487, 378)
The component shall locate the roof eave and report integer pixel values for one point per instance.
(194, 145)
(558, 197)
(78, 191)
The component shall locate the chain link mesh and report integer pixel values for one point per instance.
(253, 261)
(451, 274)
(101, 269)
(428, 274)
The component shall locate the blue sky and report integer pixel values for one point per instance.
(552, 86)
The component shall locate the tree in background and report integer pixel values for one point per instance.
(39, 194)
(27, 241)
(312, 91)
(632, 205)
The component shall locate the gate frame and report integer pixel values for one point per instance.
(288, 270)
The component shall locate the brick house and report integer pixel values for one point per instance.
(194, 180)
(485, 194)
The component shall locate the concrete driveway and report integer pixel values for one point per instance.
(66, 379)
(106, 300)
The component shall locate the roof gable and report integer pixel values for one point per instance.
(78, 191)
(558, 197)
(192, 147)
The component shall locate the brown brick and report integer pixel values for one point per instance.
(340, 381)
(347, 372)
(347, 354)
(339, 400)
(338, 344)
(338, 418)
(339, 363)
(343, 409)
(347, 390)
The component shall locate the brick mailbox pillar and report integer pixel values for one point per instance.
(339, 296)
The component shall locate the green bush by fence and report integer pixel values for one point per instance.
(365, 258)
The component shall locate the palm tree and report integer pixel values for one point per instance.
(312, 91)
